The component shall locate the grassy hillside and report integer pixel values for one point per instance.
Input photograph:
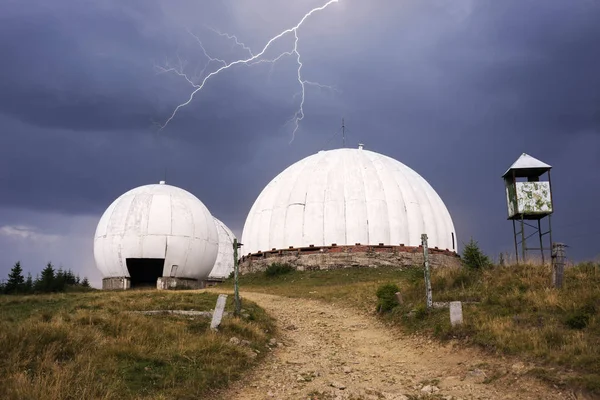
(514, 311)
(88, 345)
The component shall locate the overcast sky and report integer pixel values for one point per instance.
(455, 89)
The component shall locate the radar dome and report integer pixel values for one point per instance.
(156, 231)
(224, 263)
(345, 197)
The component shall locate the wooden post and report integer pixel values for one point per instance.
(558, 264)
(236, 289)
(427, 273)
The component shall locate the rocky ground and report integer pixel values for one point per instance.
(331, 352)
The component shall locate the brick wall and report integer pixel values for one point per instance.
(334, 257)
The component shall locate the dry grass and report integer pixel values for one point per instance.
(87, 346)
(516, 310)
(520, 314)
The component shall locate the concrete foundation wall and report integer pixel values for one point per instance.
(169, 283)
(121, 283)
(348, 256)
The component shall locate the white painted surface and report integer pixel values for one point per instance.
(218, 312)
(157, 221)
(347, 196)
(224, 263)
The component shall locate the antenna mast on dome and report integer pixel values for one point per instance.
(343, 133)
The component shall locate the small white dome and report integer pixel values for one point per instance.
(224, 263)
(157, 222)
(347, 196)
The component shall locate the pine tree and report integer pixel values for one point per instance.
(60, 280)
(473, 257)
(16, 282)
(85, 283)
(70, 278)
(46, 282)
(29, 284)
(36, 283)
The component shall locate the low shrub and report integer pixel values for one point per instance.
(577, 320)
(277, 269)
(386, 295)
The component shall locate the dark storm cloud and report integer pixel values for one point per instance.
(545, 58)
(70, 66)
(457, 91)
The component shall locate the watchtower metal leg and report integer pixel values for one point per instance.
(523, 245)
(515, 237)
(541, 241)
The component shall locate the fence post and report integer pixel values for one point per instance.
(427, 273)
(558, 264)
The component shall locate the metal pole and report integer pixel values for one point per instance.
(427, 273)
(550, 230)
(523, 245)
(236, 288)
(541, 241)
(516, 245)
(550, 215)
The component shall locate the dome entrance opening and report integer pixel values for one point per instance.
(144, 272)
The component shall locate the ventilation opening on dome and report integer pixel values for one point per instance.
(144, 272)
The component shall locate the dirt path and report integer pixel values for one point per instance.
(337, 353)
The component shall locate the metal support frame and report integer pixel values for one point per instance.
(537, 229)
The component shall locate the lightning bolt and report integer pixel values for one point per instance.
(198, 83)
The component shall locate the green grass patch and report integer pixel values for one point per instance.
(88, 345)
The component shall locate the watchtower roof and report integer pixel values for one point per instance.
(527, 166)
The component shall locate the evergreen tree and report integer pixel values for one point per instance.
(29, 284)
(473, 257)
(16, 282)
(85, 283)
(58, 285)
(46, 282)
(36, 283)
(70, 278)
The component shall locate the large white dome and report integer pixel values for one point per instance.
(224, 263)
(347, 196)
(157, 222)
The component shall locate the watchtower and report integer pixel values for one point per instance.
(529, 198)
